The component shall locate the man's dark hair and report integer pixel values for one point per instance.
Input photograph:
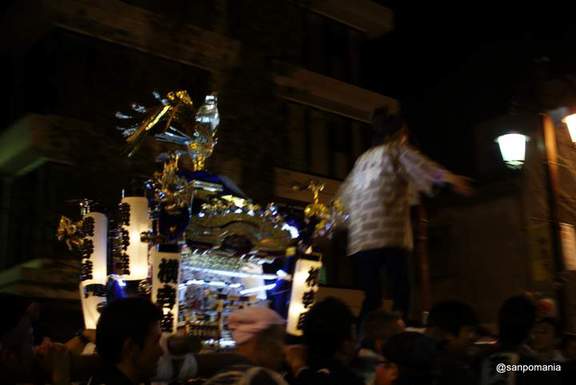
(384, 125)
(122, 319)
(380, 112)
(414, 354)
(328, 325)
(515, 320)
(452, 316)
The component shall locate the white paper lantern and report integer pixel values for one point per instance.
(97, 260)
(513, 149)
(137, 249)
(94, 270)
(570, 122)
(304, 289)
(165, 279)
(91, 297)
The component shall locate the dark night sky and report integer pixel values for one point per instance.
(454, 64)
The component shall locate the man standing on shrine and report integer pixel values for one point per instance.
(377, 195)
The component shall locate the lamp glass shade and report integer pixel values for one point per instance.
(513, 149)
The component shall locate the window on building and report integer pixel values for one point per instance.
(321, 142)
(331, 48)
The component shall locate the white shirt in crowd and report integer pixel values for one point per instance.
(378, 193)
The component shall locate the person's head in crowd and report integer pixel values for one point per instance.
(545, 335)
(259, 336)
(386, 126)
(515, 321)
(569, 347)
(379, 326)
(453, 322)
(328, 331)
(411, 358)
(128, 337)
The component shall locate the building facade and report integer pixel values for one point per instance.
(288, 74)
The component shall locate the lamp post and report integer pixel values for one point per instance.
(552, 187)
(512, 148)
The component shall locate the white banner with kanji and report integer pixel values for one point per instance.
(165, 278)
(304, 290)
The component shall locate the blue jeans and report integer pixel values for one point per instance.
(369, 264)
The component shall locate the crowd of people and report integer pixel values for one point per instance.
(130, 348)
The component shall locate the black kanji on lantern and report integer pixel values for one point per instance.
(166, 296)
(86, 270)
(125, 239)
(308, 298)
(313, 275)
(124, 213)
(88, 226)
(96, 290)
(301, 319)
(167, 322)
(87, 248)
(123, 264)
(168, 271)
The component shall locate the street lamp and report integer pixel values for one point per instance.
(570, 121)
(513, 149)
